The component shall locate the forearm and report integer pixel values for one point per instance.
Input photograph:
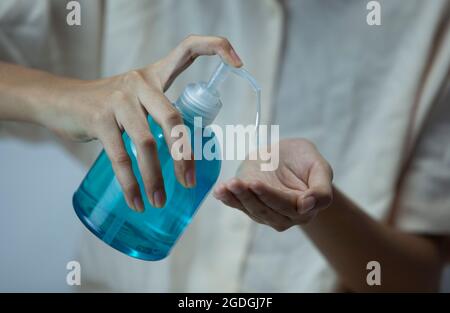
(28, 95)
(349, 239)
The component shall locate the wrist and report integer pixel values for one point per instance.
(52, 101)
(33, 96)
(57, 107)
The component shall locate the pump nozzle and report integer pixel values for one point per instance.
(203, 99)
(221, 73)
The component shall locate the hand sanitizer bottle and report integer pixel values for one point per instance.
(100, 203)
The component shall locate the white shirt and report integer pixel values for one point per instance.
(343, 85)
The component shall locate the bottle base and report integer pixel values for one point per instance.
(114, 244)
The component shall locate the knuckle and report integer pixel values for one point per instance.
(102, 113)
(121, 159)
(180, 168)
(172, 118)
(129, 188)
(119, 97)
(146, 141)
(325, 165)
(246, 196)
(186, 44)
(100, 116)
(133, 77)
(223, 43)
(151, 183)
(189, 39)
(149, 77)
(324, 193)
(258, 184)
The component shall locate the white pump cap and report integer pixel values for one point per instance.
(203, 99)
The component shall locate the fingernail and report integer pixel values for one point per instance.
(138, 205)
(236, 57)
(159, 198)
(190, 178)
(308, 204)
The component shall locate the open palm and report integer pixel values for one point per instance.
(292, 194)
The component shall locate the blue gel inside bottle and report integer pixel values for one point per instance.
(100, 204)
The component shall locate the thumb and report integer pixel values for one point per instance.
(320, 189)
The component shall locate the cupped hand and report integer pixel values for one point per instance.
(103, 109)
(290, 195)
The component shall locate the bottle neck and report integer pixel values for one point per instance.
(197, 101)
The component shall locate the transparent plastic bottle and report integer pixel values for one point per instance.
(100, 203)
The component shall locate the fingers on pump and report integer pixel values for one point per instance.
(121, 163)
(134, 121)
(194, 46)
(256, 208)
(188, 50)
(163, 112)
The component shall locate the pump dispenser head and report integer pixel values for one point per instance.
(219, 75)
(203, 99)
